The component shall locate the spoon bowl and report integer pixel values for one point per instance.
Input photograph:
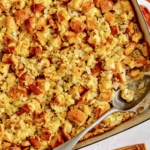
(122, 105)
(118, 105)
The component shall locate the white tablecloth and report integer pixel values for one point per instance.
(135, 135)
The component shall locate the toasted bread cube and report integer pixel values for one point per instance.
(56, 42)
(63, 15)
(4, 68)
(22, 48)
(82, 90)
(118, 67)
(71, 37)
(106, 5)
(26, 80)
(38, 7)
(35, 142)
(19, 4)
(30, 24)
(141, 61)
(35, 89)
(94, 12)
(6, 145)
(97, 69)
(94, 38)
(109, 17)
(130, 29)
(10, 24)
(67, 130)
(131, 47)
(137, 36)
(105, 85)
(86, 6)
(133, 73)
(129, 61)
(123, 18)
(114, 30)
(92, 83)
(136, 74)
(77, 116)
(136, 54)
(44, 2)
(40, 83)
(127, 95)
(74, 91)
(97, 3)
(92, 23)
(75, 4)
(56, 141)
(126, 6)
(22, 15)
(99, 111)
(66, 135)
(17, 93)
(45, 135)
(39, 117)
(106, 95)
(40, 24)
(9, 40)
(85, 97)
(143, 48)
(122, 76)
(77, 25)
(67, 126)
(109, 64)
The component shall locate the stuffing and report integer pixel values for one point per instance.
(61, 63)
(127, 95)
(77, 25)
(110, 17)
(130, 48)
(77, 116)
(22, 15)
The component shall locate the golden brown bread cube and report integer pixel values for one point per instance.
(105, 5)
(92, 23)
(86, 6)
(131, 47)
(77, 25)
(106, 95)
(127, 94)
(22, 15)
(35, 142)
(143, 47)
(77, 116)
(110, 17)
(57, 140)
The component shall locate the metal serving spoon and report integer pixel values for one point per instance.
(119, 105)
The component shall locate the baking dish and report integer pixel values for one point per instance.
(145, 113)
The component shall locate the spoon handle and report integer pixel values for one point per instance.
(71, 143)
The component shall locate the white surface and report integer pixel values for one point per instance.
(135, 135)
